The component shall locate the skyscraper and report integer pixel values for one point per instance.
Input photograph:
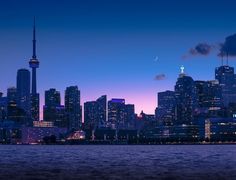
(210, 102)
(52, 101)
(34, 64)
(52, 98)
(201, 87)
(13, 112)
(73, 108)
(53, 110)
(3, 107)
(95, 113)
(116, 113)
(227, 80)
(102, 110)
(23, 90)
(129, 116)
(186, 99)
(165, 112)
(209, 94)
(91, 115)
(12, 95)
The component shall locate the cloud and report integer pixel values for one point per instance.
(201, 49)
(229, 46)
(159, 77)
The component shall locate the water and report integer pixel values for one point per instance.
(165, 162)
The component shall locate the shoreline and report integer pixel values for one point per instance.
(124, 144)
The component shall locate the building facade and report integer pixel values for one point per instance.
(73, 109)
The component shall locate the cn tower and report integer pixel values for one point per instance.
(34, 64)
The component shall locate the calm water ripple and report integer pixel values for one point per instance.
(166, 162)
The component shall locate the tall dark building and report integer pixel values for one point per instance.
(91, 115)
(3, 107)
(201, 88)
(23, 90)
(129, 116)
(52, 98)
(95, 113)
(34, 64)
(102, 110)
(116, 113)
(209, 95)
(53, 110)
(72, 107)
(14, 113)
(186, 99)
(165, 112)
(227, 80)
(209, 99)
(12, 95)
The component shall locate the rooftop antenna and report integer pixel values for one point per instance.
(227, 57)
(222, 58)
(182, 69)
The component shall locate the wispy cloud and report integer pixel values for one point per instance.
(159, 77)
(202, 49)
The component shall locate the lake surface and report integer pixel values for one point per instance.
(165, 162)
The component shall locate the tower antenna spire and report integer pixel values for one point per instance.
(34, 41)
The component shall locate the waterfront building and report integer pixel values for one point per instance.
(129, 116)
(186, 99)
(227, 80)
(53, 110)
(165, 112)
(116, 113)
(91, 120)
(73, 109)
(23, 90)
(3, 107)
(102, 111)
(220, 129)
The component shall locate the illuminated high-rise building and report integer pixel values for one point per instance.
(209, 95)
(165, 113)
(11, 102)
(73, 108)
(34, 64)
(53, 111)
(95, 113)
(129, 116)
(116, 113)
(102, 110)
(91, 115)
(186, 99)
(3, 107)
(14, 113)
(227, 80)
(12, 95)
(52, 100)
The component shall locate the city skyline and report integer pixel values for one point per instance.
(112, 56)
(118, 89)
